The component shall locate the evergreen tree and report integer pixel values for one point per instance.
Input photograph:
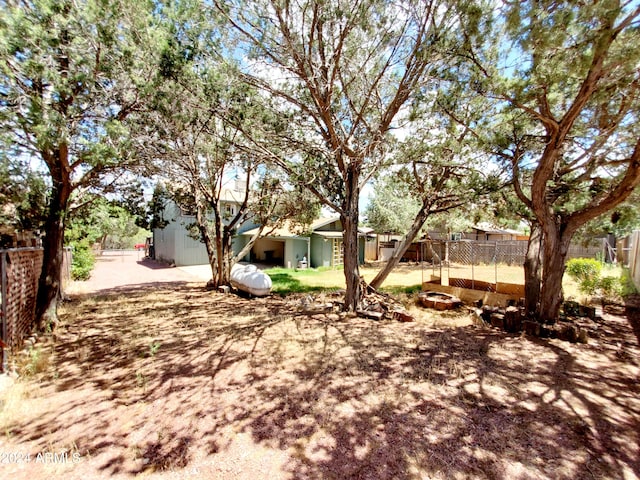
(342, 72)
(71, 73)
(564, 80)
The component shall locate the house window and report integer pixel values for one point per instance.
(229, 210)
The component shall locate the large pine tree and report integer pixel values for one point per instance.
(70, 75)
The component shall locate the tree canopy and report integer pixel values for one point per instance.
(566, 103)
(71, 73)
(343, 74)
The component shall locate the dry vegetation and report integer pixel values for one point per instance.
(178, 382)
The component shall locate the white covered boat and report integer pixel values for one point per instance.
(251, 280)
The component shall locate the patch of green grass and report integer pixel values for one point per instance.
(285, 283)
(153, 348)
(287, 280)
(38, 361)
(399, 289)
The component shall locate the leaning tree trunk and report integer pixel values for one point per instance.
(417, 224)
(50, 283)
(533, 271)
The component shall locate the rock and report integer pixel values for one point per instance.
(571, 308)
(531, 328)
(547, 332)
(403, 316)
(512, 320)
(224, 289)
(589, 312)
(583, 336)
(497, 320)
(370, 314)
(487, 310)
(568, 333)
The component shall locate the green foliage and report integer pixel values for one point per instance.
(610, 288)
(153, 214)
(73, 76)
(392, 208)
(585, 271)
(621, 221)
(83, 261)
(107, 223)
(38, 361)
(627, 283)
(23, 195)
(153, 348)
(591, 281)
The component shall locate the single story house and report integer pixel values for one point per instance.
(288, 246)
(321, 245)
(490, 233)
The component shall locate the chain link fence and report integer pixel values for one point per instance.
(481, 265)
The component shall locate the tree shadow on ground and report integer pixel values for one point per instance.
(632, 312)
(145, 382)
(154, 264)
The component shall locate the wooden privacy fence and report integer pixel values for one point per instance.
(20, 271)
(634, 258)
(19, 274)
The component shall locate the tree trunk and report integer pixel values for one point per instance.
(50, 283)
(210, 241)
(555, 250)
(417, 224)
(353, 295)
(224, 260)
(349, 219)
(533, 271)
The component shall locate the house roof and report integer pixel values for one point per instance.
(231, 195)
(291, 230)
(326, 234)
(488, 228)
(323, 221)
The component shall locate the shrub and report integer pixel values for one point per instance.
(82, 261)
(585, 271)
(626, 282)
(610, 289)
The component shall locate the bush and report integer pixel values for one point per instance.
(626, 282)
(82, 261)
(585, 271)
(610, 288)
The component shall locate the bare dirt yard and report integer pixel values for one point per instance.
(163, 379)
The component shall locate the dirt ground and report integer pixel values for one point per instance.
(151, 376)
